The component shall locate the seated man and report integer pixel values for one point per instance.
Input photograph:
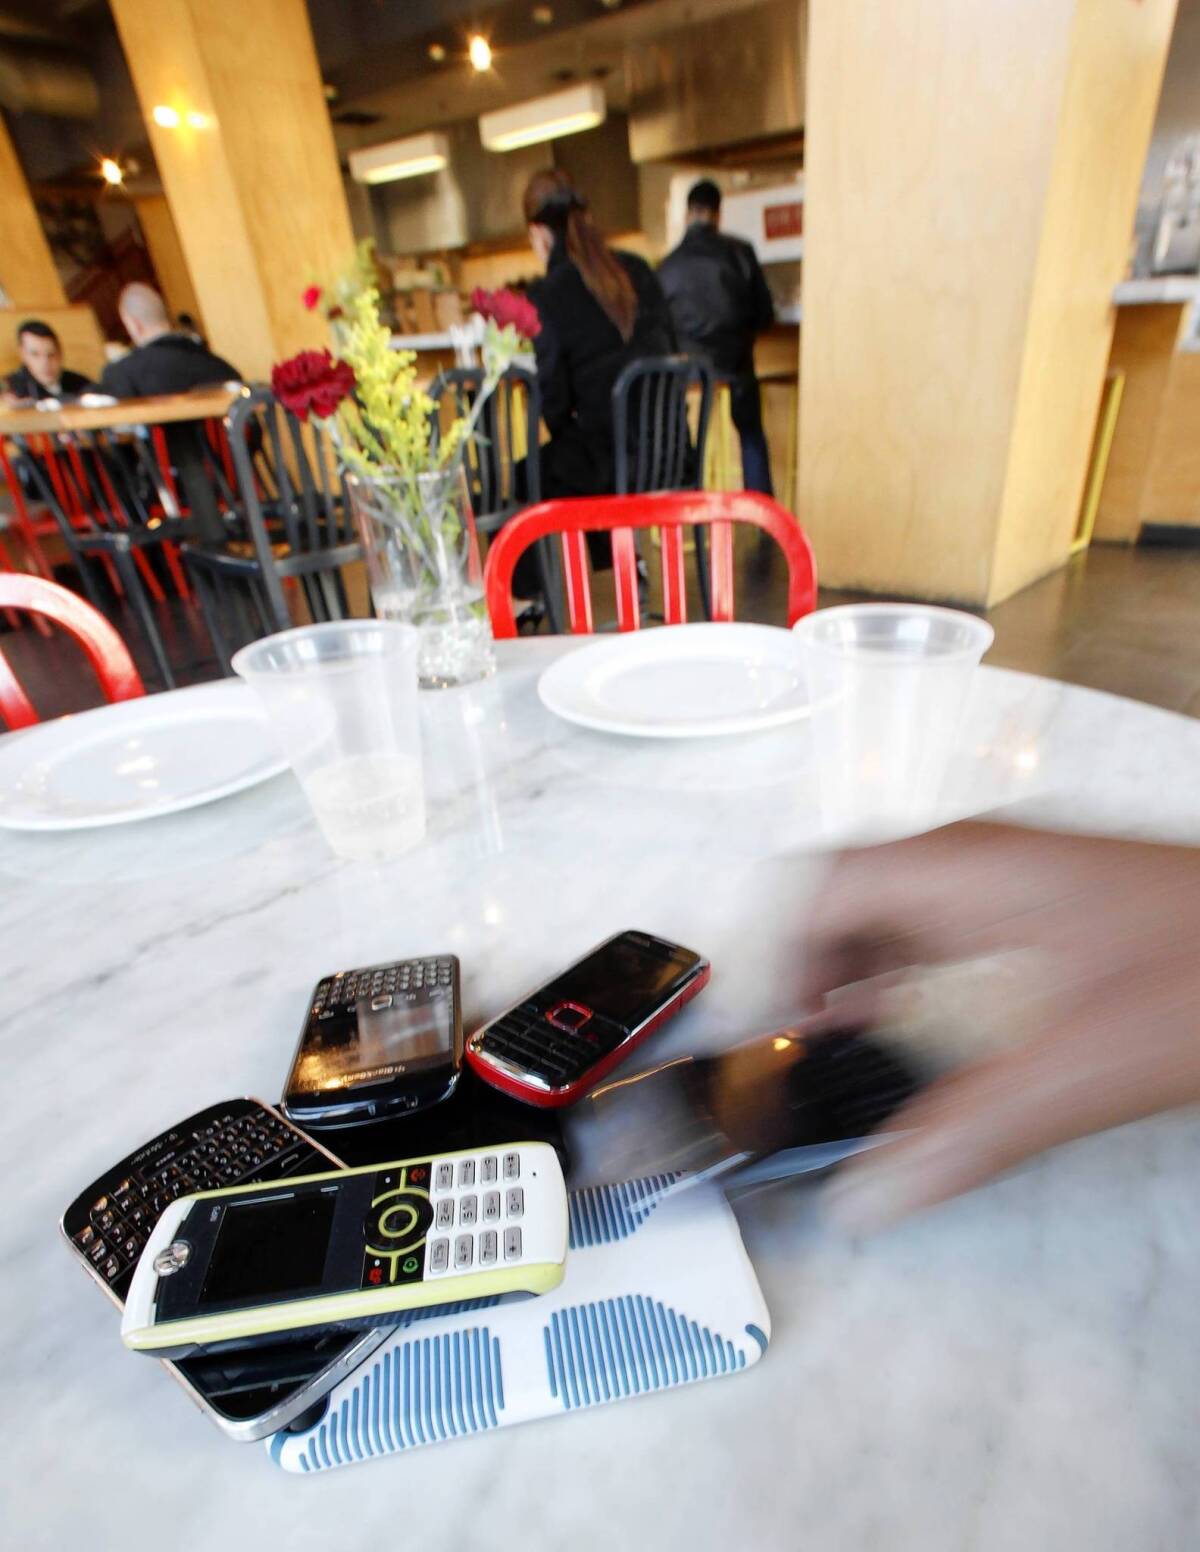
(165, 361)
(41, 374)
(162, 360)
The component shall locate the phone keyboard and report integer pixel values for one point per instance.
(229, 1144)
(478, 1209)
(379, 984)
(857, 1082)
(524, 1038)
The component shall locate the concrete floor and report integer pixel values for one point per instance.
(1118, 619)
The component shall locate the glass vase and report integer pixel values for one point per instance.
(423, 565)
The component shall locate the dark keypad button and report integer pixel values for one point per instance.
(97, 1252)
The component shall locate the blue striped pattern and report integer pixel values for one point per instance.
(622, 1347)
(599, 1215)
(427, 1389)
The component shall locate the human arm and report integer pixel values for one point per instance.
(1116, 1031)
(554, 379)
(761, 300)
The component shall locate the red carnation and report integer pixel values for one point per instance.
(312, 380)
(505, 307)
(311, 296)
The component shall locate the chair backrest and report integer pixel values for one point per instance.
(504, 443)
(671, 511)
(292, 492)
(105, 650)
(90, 482)
(652, 444)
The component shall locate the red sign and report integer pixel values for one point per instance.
(783, 220)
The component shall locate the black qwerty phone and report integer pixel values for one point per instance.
(250, 1394)
(378, 1042)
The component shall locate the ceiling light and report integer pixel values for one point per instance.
(407, 158)
(168, 118)
(544, 118)
(198, 120)
(479, 51)
(111, 172)
(437, 52)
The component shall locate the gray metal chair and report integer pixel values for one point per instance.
(299, 526)
(502, 460)
(652, 442)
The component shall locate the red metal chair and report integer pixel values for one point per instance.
(106, 652)
(671, 511)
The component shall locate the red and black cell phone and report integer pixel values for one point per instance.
(556, 1044)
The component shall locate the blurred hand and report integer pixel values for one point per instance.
(1117, 1031)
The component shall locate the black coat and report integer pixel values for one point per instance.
(172, 363)
(24, 385)
(718, 298)
(580, 355)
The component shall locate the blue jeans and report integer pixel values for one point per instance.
(746, 407)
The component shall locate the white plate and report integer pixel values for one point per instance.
(683, 681)
(136, 759)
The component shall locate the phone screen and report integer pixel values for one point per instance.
(268, 1251)
(624, 980)
(373, 1044)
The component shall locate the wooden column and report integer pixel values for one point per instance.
(971, 176)
(27, 271)
(250, 171)
(166, 254)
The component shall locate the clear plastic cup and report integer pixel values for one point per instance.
(888, 684)
(343, 701)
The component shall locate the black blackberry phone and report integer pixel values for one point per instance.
(378, 1042)
(791, 1103)
(248, 1394)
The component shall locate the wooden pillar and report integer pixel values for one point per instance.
(166, 254)
(27, 271)
(971, 176)
(250, 169)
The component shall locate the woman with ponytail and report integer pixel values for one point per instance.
(600, 308)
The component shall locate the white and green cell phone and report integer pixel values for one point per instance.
(354, 1246)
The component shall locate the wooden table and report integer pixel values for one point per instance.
(161, 409)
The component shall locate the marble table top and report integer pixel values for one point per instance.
(1017, 1371)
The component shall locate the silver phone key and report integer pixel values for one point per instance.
(489, 1170)
(443, 1177)
(444, 1218)
(487, 1248)
(512, 1244)
(491, 1207)
(514, 1202)
(466, 1172)
(512, 1166)
(464, 1251)
(468, 1210)
(439, 1255)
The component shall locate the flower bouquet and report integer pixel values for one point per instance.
(406, 482)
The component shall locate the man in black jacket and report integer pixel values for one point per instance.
(719, 301)
(162, 360)
(41, 374)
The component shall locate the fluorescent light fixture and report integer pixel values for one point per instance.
(167, 118)
(407, 158)
(110, 171)
(544, 118)
(479, 52)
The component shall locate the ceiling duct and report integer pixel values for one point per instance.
(732, 80)
(50, 81)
